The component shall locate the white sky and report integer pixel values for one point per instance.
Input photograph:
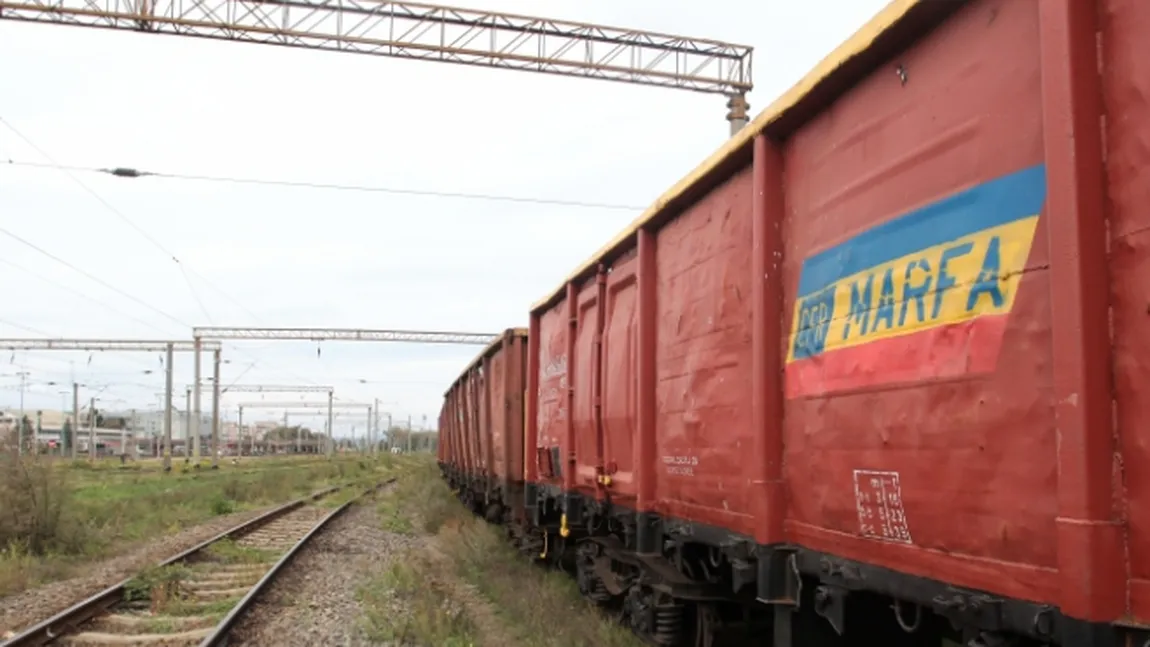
(274, 256)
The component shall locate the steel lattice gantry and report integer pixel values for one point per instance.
(429, 32)
(137, 345)
(330, 405)
(208, 334)
(281, 388)
(344, 334)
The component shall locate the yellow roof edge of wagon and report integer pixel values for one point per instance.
(858, 43)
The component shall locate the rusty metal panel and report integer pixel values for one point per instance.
(621, 379)
(919, 424)
(496, 377)
(485, 430)
(477, 411)
(552, 402)
(1126, 84)
(456, 429)
(703, 363)
(468, 420)
(583, 372)
(532, 407)
(515, 381)
(503, 431)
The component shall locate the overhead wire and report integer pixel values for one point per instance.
(126, 172)
(83, 295)
(119, 214)
(182, 266)
(13, 324)
(90, 276)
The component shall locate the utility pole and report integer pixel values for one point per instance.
(409, 433)
(216, 410)
(370, 449)
(20, 422)
(168, 409)
(188, 421)
(376, 421)
(135, 441)
(196, 415)
(92, 429)
(240, 432)
(75, 436)
(330, 426)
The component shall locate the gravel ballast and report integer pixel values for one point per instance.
(314, 602)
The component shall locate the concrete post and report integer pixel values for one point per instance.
(216, 409)
(75, 439)
(196, 415)
(330, 425)
(168, 409)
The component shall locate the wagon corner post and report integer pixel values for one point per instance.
(767, 302)
(1089, 537)
(531, 413)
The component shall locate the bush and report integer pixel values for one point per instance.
(35, 499)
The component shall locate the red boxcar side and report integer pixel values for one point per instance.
(917, 303)
(1126, 79)
(891, 329)
(620, 379)
(484, 409)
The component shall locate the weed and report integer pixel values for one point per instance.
(222, 505)
(159, 585)
(539, 608)
(394, 518)
(159, 626)
(228, 551)
(193, 608)
(57, 515)
(419, 498)
(34, 495)
(431, 617)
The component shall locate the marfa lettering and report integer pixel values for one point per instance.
(957, 281)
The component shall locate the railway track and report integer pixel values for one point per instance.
(196, 597)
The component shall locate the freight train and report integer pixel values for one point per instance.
(871, 373)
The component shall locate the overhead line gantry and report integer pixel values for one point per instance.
(254, 388)
(330, 405)
(344, 334)
(430, 32)
(214, 334)
(137, 345)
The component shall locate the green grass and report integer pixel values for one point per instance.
(527, 605)
(227, 551)
(428, 614)
(395, 520)
(56, 515)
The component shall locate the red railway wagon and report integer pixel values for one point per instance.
(483, 416)
(888, 344)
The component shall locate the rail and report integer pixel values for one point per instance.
(219, 636)
(70, 619)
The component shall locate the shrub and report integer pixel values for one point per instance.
(35, 499)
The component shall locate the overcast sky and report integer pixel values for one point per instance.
(275, 256)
